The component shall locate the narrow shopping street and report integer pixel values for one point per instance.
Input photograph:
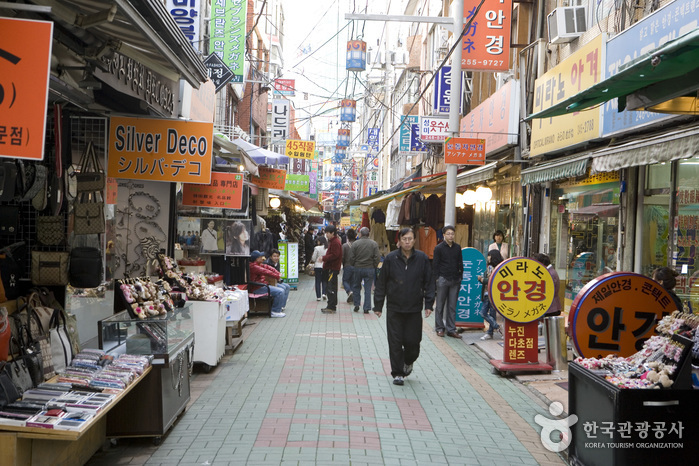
(316, 389)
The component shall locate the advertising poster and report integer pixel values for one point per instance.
(468, 304)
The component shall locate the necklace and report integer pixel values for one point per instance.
(150, 208)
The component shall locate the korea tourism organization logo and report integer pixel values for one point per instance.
(550, 426)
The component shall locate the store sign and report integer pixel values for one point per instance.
(313, 182)
(227, 31)
(288, 261)
(578, 72)
(186, 15)
(464, 151)
(468, 304)
(521, 345)
(298, 183)
(25, 58)
(160, 150)
(616, 313)
(434, 129)
(521, 289)
(441, 101)
(132, 78)
(218, 72)
(496, 120)
(270, 178)
(486, 43)
(409, 143)
(373, 139)
(280, 120)
(300, 149)
(285, 86)
(225, 190)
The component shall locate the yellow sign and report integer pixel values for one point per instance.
(344, 222)
(300, 149)
(576, 73)
(160, 150)
(521, 289)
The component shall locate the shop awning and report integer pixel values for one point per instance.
(476, 175)
(386, 198)
(671, 146)
(260, 155)
(225, 147)
(671, 61)
(599, 210)
(567, 167)
(307, 202)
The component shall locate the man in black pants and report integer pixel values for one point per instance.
(448, 268)
(332, 262)
(405, 281)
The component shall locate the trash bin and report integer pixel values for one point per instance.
(556, 344)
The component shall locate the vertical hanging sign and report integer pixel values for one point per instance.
(186, 15)
(227, 32)
(280, 121)
(486, 43)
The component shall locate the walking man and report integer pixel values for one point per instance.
(364, 257)
(347, 269)
(448, 268)
(332, 262)
(404, 282)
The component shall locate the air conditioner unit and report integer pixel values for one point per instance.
(566, 24)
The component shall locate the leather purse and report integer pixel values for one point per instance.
(50, 229)
(8, 182)
(61, 349)
(85, 267)
(9, 220)
(88, 215)
(91, 176)
(8, 391)
(50, 268)
(22, 367)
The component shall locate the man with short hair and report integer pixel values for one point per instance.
(309, 244)
(347, 269)
(364, 257)
(332, 262)
(448, 269)
(273, 261)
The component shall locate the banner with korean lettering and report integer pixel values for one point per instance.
(227, 34)
(225, 190)
(486, 43)
(270, 178)
(373, 139)
(280, 120)
(25, 58)
(521, 289)
(285, 86)
(576, 73)
(298, 183)
(468, 303)
(434, 129)
(464, 151)
(300, 149)
(160, 150)
(186, 15)
(496, 119)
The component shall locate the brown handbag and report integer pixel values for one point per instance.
(91, 176)
(88, 215)
(50, 229)
(50, 268)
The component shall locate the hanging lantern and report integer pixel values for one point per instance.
(348, 110)
(469, 197)
(343, 137)
(356, 55)
(340, 152)
(484, 194)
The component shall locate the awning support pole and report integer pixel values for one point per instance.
(454, 105)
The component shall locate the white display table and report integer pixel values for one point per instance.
(209, 332)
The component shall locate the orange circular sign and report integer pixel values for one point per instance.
(615, 313)
(521, 289)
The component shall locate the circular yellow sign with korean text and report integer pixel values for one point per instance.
(521, 289)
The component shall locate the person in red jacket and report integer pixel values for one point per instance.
(332, 263)
(259, 273)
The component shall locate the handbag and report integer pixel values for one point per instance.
(9, 220)
(8, 175)
(31, 352)
(8, 391)
(41, 313)
(85, 267)
(88, 213)
(5, 333)
(50, 268)
(91, 176)
(9, 274)
(62, 353)
(21, 368)
(310, 269)
(50, 229)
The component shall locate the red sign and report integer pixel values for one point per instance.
(486, 43)
(225, 190)
(270, 178)
(25, 57)
(616, 313)
(285, 86)
(464, 151)
(521, 343)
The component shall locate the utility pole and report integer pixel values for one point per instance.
(454, 108)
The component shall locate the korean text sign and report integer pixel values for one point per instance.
(25, 56)
(186, 15)
(464, 151)
(225, 190)
(521, 343)
(496, 119)
(521, 289)
(468, 303)
(300, 149)
(227, 32)
(160, 150)
(434, 129)
(616, 313)
(576, 73)
(270, 178)
(280, 120)
(298, 183)
(410, 136)
(486, 43)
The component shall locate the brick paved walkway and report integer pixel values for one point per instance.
(316, 389)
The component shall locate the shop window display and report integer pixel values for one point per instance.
(687, 225)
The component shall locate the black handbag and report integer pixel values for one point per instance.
(22, 367)
(9, 220)
(30, 351)
(8, 391)
(85, 269)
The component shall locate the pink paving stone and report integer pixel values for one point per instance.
(302, 444)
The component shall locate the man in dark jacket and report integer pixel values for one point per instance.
(332, 263)
(405, 282)
(309, 244)
(364, 257)
(448, 268)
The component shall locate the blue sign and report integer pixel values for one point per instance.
(668, 23)
(442, 92)
(373, 138)
(410, 136)
(468, 305)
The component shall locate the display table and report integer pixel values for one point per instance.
(22, 446)
(210, 332)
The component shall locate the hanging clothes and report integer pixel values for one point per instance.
(378, 234)
(434, 212)
(426, 240)
(378, 216)
(392, 212)
(417, 209)
(365, 220)
(461, 235)
(404, 213)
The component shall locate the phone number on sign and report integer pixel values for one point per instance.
(473, 61)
